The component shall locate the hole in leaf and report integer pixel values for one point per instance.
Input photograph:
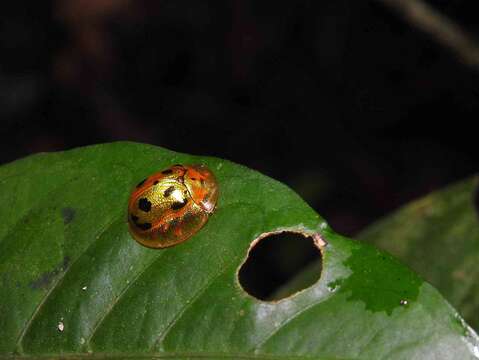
(273, 268)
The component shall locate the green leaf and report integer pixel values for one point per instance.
(74, 283)
(438, 236)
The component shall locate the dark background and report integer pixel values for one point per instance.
(342, 100)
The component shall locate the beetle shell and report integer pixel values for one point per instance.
(170, 206)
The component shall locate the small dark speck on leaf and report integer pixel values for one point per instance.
(45, 279)
(68, 215)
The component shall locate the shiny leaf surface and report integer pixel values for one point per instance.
(75, 284)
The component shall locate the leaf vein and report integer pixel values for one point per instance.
(188, 305)
(283, 323)
(57, 282)
(120, 295)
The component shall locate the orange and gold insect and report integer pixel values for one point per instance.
(170, 206)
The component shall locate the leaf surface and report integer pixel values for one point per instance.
(75, 284)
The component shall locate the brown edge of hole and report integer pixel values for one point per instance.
(318, 240)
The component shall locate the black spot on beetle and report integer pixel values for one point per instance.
(169, 191)
(144, 204)
(177, 205)
(68, 215)
(144, 226)
(167, 172)
(134, 218)
(194, 179)
(156, 182)
(141, 183)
